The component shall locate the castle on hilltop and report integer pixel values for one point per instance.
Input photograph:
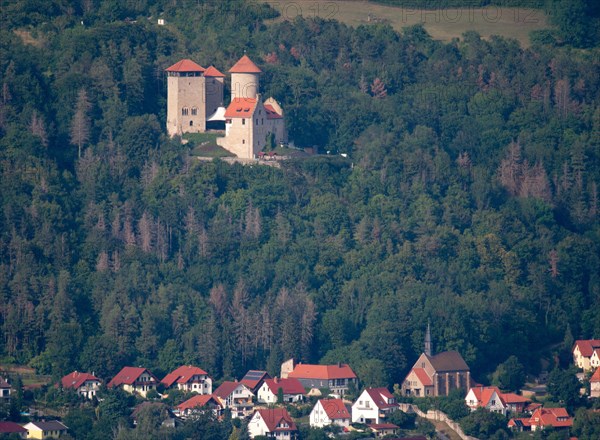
(195, 99)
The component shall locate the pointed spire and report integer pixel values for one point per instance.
(428, 340)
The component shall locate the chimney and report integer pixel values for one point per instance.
(276, 379)
(339, 364)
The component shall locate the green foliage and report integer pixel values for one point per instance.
(510, 375)
(563, 387)
(586, 425)
(137, 254)
(482, 423)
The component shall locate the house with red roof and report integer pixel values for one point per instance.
(134, 380)
(583, 350)
(272, 423)
(85, 384)
(292, 389)
(237, 397)
(542, 418)
(11, 428)
(337, 378)
(249, 121)
(254, 379)
(494, 400)
(198, 404)
(190, 379)
(329, 412)
(384, 429)
(373, 405)
(595, 384)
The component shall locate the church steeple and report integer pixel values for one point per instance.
(428, 340)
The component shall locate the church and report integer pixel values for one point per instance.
(437, 375)
(195, 97)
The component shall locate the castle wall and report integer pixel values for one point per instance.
(214, 94)
(186, 105)
(239, 138)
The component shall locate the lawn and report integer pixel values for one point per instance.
(442, 24)
(205, 144)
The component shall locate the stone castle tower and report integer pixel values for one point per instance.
(193, 94)
(245, 79)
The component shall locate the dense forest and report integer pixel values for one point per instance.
(469, 197)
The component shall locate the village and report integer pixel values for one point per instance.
(331, 396)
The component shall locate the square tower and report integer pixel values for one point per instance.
(186, 98)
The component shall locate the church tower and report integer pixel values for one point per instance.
(186, 102)
(244, 79)
(428, 341)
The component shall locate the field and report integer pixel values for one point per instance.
(442, 24)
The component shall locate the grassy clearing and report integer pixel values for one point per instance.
(205, 144)
(442, 24)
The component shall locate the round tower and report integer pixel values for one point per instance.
(244, 79)
(186, 103)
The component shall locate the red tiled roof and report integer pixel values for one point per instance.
(213, 72)
(227, 388)
(245, 65)
(241, 108)
(10, 427)
(596, 376)
(381, 397)
(308, 371)
(271, 113)
(335, 408)
(182, 374)
(128, 375)
(185, 66)
(423, 377)
(289, 386)
(379, 426)
(546, 417)
(586, 346)
(273, 416)
(512, 398)
(550, 416)
(4, 384)
(198, 401)
(76, 379)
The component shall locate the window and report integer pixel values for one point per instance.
(256, 121)
(243, 121)
(243, 141)
(184, 111)
(194, 111)
(191, 123)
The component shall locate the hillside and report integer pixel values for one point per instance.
(468, 197)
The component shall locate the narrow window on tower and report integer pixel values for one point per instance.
(184, 111)
(194, 111)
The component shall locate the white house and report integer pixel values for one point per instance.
(292, 389)
(4, 389)
(190, 379)
(237, 397)
(329, 412)
(595, 384)
(373, 405)
(134, 380)
(272, 423)
(489, 398)
(583, 350)
(85, 384)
